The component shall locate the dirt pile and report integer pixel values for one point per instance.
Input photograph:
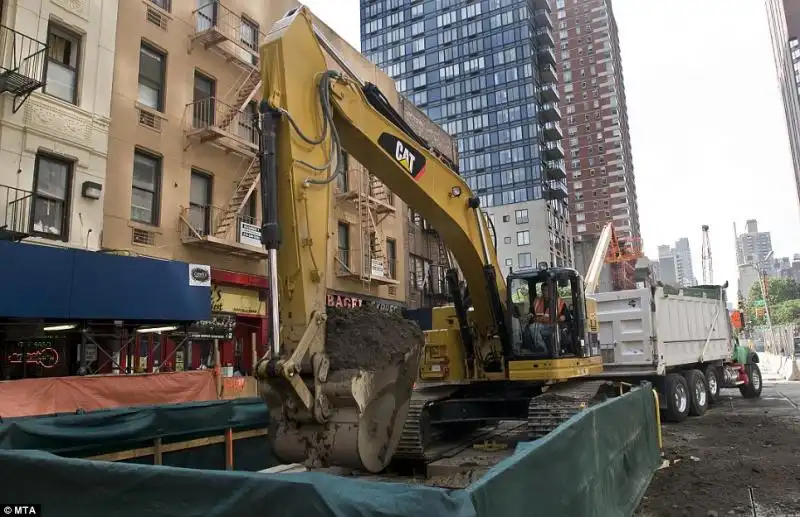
(367, 338)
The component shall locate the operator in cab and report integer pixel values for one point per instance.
(541, 327)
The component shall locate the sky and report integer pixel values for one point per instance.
(707, 127)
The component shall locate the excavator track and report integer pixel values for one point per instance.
(560, 403)
(416, 432)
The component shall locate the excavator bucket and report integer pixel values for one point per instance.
(367, 412)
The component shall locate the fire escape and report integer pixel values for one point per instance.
(229, 123)
(374, 203)
(22, 72)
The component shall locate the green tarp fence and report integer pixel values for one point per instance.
(597, 464)
(119, 429)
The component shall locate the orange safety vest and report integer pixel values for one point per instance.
(541, 310)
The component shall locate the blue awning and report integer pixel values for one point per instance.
(51, 283)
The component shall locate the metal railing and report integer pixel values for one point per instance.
(200, 222)
(16, 207)
(213, 22)
(211, 115)
(23, 62)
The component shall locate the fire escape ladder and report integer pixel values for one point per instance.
(243, 92)
(244, 189)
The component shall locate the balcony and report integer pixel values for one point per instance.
(555, 190)
(552, 131)
(221, 230)
(554, 170)
(544, 37)
(213, 121)
(546, 56)
(380, 271)
(549, 112)
(539, 4)
(549, 93)
(553, 151)
(16, 207)
(547, 73)
(219, 29)
(23, 65)
(541, 17)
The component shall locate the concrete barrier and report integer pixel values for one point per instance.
(784, 367)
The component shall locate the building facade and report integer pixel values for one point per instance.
(753, 246)
(58, 59)
(675, 264)
(597, 141)
(783, 17)
(485, 72)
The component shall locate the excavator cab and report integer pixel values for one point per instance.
(548, 316)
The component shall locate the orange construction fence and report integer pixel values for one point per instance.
(29, 397)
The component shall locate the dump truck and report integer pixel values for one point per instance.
(681, 340)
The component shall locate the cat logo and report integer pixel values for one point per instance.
(410, 159)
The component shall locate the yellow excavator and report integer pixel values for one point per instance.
(515, 348)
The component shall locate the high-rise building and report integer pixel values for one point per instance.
(784, 26)
(596, 134)
(675, 264)
(753, 246)
(485, 71)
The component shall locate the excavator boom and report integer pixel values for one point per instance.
(309, 113)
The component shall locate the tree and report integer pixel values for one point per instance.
(783, 296)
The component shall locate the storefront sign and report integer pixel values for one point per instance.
(199, 275)
(250, 234)
(348, 301)
(46, 357)
(220, 326)
(237, 300)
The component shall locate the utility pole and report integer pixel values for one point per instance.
(708, 266)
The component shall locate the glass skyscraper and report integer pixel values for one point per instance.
(485, 71)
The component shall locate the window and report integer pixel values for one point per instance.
(63, 51)
(204, 90)
(342, 180)
(206, 14)
(343, 254)
(52, 188)
(248, 129)
(145, 188)
(523, 238)
(506, 240)
(509, 262)
(250, 212)
(521, 216)
(200, 202)
(164, 4)
(524, 260)
(391, 257)
(506, 218)
(151, 77)
(248, 35)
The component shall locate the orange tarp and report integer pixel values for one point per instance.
(28, 397)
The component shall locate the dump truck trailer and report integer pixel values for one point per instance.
(681, 340)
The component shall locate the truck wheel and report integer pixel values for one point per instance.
(698, 392)
(713, 383)
(752, 389)
(676, 396)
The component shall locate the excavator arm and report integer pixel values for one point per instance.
(309, 114)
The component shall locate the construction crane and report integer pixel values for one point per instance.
(708, 266)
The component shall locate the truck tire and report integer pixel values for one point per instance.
(676, 398)
(698, 392)
(752, 389)
(713, 383)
